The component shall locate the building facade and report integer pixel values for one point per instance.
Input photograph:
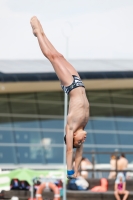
(32, 117)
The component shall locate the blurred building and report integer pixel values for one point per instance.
(32, 108)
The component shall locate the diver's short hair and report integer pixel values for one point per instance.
(73, 143)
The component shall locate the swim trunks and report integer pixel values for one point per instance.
(76, 83)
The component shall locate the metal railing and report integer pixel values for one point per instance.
(93, 161)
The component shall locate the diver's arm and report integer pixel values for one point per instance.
(69, 147)
(78, 158)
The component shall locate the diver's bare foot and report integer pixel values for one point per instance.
(41, 29)
(35, 26)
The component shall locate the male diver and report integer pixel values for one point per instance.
(78, 112)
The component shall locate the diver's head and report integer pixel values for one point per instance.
(78, 138)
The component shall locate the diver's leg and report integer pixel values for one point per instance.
(64, 62)
(52, 55)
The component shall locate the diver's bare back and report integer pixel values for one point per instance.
(78, 113)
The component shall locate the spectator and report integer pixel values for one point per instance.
(79, 183)
(113, 161)
(102, 187)
(122, 163)
(120, 187)
(84, 165)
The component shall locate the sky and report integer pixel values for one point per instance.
(100, 29)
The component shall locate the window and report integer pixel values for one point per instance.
(6, 136)
(122, 102)
(5, 120)
(50, 103)
(126, 139)
(124, 124)
(101, 123)
(90, 134)
(100, 103)
(52, 124)
(54, 137)
(7, 155)
(105, 138)
(30, 154)
(53, 154)
(28, 137)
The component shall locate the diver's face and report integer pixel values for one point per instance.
(79, 138)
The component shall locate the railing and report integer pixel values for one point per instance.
(95, 170)
(93, 161)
